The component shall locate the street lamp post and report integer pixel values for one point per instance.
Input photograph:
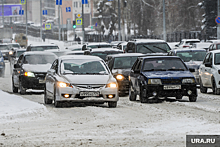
(164, 22)
(119, 20)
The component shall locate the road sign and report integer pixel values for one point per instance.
(78, 15)
(21, 12)
(44, 12)
(47, 26)
(217, 19)
(23, 2)
(68, 9)
(96, 24)
(58, 2)
(84, 1)
(79, 21)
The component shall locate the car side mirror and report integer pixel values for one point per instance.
(208, 65)
(191, 69)
(16, 66)
(51, 71)
(176, 45)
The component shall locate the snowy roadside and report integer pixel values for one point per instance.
(14, 107)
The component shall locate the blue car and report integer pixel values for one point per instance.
(2, 65)
(158, 77)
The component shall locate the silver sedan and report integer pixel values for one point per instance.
(80, 78)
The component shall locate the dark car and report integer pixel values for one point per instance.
(5, 48)
(30, 70)
(147, 46)
(2, 65)
(192, 57)
(120, 66)
(156, 77)
(102, 52)
(42, 47)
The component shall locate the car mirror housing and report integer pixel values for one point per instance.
(191, 69)
(16, 65)
(208, 65)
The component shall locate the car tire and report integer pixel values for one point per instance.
(57, 104)
(46, 100)
(112, 104)
(142, 98)
(214, 88)
(192, 98)
(21, 88)
(132, 95)
(179, 97)
(14, 89)
(202, 89)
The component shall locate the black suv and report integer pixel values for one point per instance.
(147, 46)
(30, 70)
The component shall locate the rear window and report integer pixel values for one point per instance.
(153, 48)
(24, 37)
(43, 48)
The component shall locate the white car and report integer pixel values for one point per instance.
(185, 43)
(79, 78)
(209, 72)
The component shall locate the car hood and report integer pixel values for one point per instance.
(125, 72)
(87, 79)
(36, 67)
(4, 51)
(168, 74)
(193, 64)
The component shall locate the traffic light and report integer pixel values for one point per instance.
(91, 27)
(74, 24)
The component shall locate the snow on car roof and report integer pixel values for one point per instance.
(215, 51)
(189, 50)
(145, 57)
(148, 40)
(126, 54)
(105, 50)
(81, 57)
(44, 45)
(190, 40)
(38, 53)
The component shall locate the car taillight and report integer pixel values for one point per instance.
(16, 40)
(185, 46)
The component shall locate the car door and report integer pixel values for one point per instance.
(17, 71)
(203, 71)
(209, 70)
(50, 78)
(136, 75)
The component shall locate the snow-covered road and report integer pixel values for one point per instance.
(26, 121)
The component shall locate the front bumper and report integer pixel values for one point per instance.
(33, 82)
(161, 92)
(74, 93)
(123, 86)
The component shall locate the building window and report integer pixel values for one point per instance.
(80, 4)
(87, 5)
(75, 4)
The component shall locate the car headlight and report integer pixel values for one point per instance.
(154, 81)
(10, 52)
(63, 84)
(2, 63)
(111, 85)
(188, 81)
(119, 77)
(29, 74)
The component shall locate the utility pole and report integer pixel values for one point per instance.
(164, 22)
(26, 17)
(3, 19)
(83, 30)
(41, 19)
(119, 20)
(218, 28)
(59, 20)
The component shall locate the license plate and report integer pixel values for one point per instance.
(41, 81)
(168, 87)
(89, 93)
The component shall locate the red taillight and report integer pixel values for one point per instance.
(185, 46)
(16, 40)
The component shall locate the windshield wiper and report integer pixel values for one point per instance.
(160, 48)
(149, 49)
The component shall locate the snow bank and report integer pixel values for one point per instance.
(12, 107)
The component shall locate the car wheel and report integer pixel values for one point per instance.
(46, 100)
(202, 89)
(57, 104)
(142, 98)
(112, 104)
(14, 89)
(21, 88)
(179, 97)
(132, 95)
(192, 98)
(214, 88)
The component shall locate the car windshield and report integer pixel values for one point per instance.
(42, 48)
(103, 54)
(217, 59)
(194, 56)
(19, 53)
(163, 64)
(4, 47)
(15, 45)
(153, 48)
(191, 42)
(124, 62)
(99, 46)
(39, 59)
(83, 67)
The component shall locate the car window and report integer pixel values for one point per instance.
(214, 47)
(164, 64)
(103, 54)
(124, 62)
(83, 67)
(20, 59)
(217, 59)
(153, 48)
(210, 58)
(194, 56)
(19, 53)
(218, 46)
(206, 60)
(39, 59)
(4, 47)
(138, 66)
(42, 48)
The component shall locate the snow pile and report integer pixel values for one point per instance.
(13, 106)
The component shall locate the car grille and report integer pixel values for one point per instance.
(90, 86)
(40, 75)
(171, 81)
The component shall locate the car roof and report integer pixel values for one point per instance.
(190, 40)
(38, 53)
(43, 45)
(215, 51)
(104, 50)
(81, 57)
(154, 57)
(189, 50)
(148, 40)
(20, 50)
(98, 43)
(126, 55)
